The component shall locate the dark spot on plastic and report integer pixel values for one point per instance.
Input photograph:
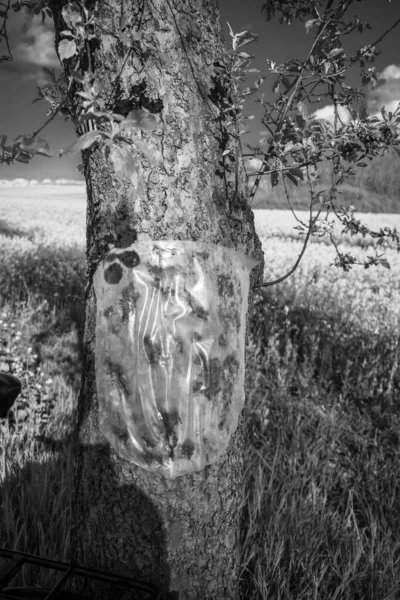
(128, 301)
(204, 255)
(114, 328)
(221, 424)
(153, 351)
(148, 441)
(187, 448)
(171, 420)
(109, 311)
(196, 307)
(225, 286)
(156, 283)
(117, 374)
(231, 364)
(113, 274)
(197, 385)
(155, 270)
(126, 310)
(130, 258)
(180, 347)
(214, 384)
(121, 434)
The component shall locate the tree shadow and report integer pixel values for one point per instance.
(137, 518)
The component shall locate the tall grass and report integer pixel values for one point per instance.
(322, 480)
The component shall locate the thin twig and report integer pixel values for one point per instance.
(312, 221)
(289, 102)
(290, 205)
(46, 123)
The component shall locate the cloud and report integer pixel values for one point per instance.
(328, 113)
(390, 72)
(32, 46)
(387, 92)
(21, 182)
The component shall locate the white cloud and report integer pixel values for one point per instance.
(390, 72)
(36, 46)
(387, 92)
(32, 46)
(328, 113)
(21, 182)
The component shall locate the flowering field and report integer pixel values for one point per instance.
(322, 418)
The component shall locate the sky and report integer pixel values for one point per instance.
(32, 46)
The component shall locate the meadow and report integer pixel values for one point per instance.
(322, 467)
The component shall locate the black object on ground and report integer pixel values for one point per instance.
(18, 559)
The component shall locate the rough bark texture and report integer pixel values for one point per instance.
(180, 534)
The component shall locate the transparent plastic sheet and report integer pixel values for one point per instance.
(169, 357)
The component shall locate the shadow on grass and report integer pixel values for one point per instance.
(37, 520)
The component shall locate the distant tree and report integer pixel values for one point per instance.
(156, 101)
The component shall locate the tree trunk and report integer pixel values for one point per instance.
(181, 534)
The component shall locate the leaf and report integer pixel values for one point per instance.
(297, 172)
(50, 73)
(83, 142)
(302, 109)
(335, 52)
(76, 76)
(142, 119)
(384, 262)
(35, 145)
(98, 86)
(240, 39)
(23, 157)
(274, 179)
(72, 15)
(301, 123)
(66, 49)
(291, 177)
(149, 151)
(310, 24)
(125, 164)
(86, 95)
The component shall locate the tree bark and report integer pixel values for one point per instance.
(180, 534)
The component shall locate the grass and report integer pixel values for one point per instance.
(322, 484)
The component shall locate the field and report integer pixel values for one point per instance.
(321, 507)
